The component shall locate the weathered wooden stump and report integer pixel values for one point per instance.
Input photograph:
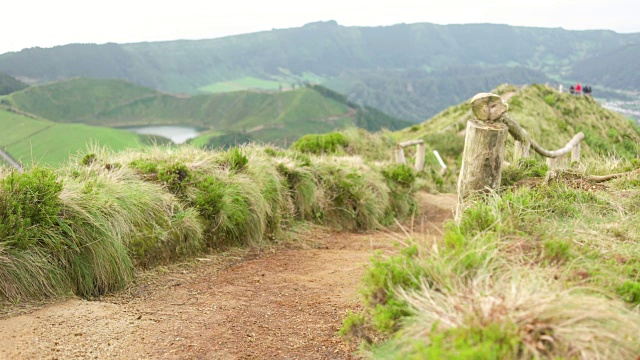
(484, 148)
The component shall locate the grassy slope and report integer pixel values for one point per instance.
(551, 118)
(265, 116)
(77, 100)
(29, 140)
(118, 103)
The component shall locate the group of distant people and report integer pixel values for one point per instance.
(579, 89)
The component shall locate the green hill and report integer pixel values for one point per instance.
(549, 117)
(30, 140)
(78, 100)
(364, 61)
(264, 116)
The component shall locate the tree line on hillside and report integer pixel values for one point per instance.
(9, 84)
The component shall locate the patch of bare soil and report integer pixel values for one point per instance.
(276, 303)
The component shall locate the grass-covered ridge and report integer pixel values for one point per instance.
(549, 117)
(258, 115)
(546, 268)
(83, 228)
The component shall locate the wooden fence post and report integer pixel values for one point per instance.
(422, 148)
(521, 151)
(484, 148)
(400, 155)
(575, 153)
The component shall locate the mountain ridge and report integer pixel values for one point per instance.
(328, 53)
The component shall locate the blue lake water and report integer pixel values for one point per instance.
(177, 133)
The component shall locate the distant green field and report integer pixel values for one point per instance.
(39, 141)
(14, 127)
(245, 83)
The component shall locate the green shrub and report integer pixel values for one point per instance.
(88, 159)
(557, 251)
(175, 176)
(236, 160)
(274, 152)
(526, 168)
(400, 180)
(550, 99)
(400, 174)
(29, 202)
(359, 198)
(486, 341)
(380, 283)
(145, 166)
(304, 189)
(235, 210)
(630, 292)
(321, 144)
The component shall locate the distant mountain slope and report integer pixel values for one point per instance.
(30, 140)
(618, 68)
(321, 52)
(268, 116)
(548, 116)
(416, 94)
(10, 84)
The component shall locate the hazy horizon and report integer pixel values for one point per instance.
(118, 21)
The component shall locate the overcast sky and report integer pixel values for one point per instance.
(46, 23)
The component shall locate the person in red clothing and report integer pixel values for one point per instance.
(578, 88)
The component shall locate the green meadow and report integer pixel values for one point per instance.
(36, 141)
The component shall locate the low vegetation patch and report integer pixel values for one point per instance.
(322, 143)
(542, 271)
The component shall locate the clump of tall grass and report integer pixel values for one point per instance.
(357, 195)
(319, 144)
(475, 298)
(29, 206)
(238, 193)
(376, 146)
(351, 141)
(517, 314)
(85, 228)
(307, 194)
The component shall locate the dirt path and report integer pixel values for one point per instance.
(285, 303)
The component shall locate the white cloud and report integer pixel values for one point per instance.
(46, 23)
